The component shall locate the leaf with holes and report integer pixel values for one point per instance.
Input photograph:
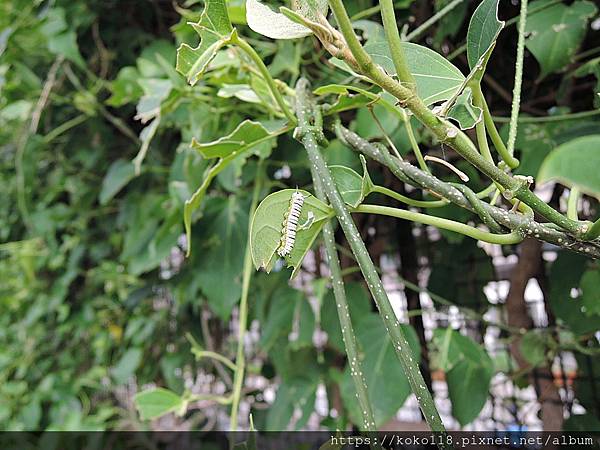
(484, 29)
(215, 31)
(464, 112)
(246, 136)
(267, 225)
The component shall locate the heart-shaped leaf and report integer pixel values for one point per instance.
(267, 226)
(556, 33)
(437, 78)
(575, 163)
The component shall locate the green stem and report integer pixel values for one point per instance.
(392, 35)
(490, 126)
(247, 48)
(414, 144)
(482, 141)
(339, 292)
(445, 224)
(446, 132)
(525, 223)
(546, 119)
(433, 19)
(516, 103)
(240, 361)
(572, 203)
(409, 201)
(593, 232)
(199, 354)
(64, 127)
(308, 135)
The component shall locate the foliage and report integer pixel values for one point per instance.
(132, 137)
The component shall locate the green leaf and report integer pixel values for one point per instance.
(464, 112)
(359, 305)
(349, 97)
(590, 288)
(469, 377)
(437, 78)
(565, 280)
(575, 164)
(125, 88)
(299, 393)
(267, 224)
(277, 320)
(305, 318)
(556, 32)
(271, 24)
(127, 365)
(484, 29)
(349, 184)
(231, 147)
(215, 31)
(221, 256)
(533, 348)
(386, 382)
(158, 402)
(65, 44)
(248, 134)
(119, 174)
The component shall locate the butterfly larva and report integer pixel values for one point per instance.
(290, 224)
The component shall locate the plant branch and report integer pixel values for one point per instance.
(310, 134)
(392, 35)
(516, 103)
(432, 20)
(514, 221)
(446, 132)
(339, 292)
(247, 48)
(445, 224)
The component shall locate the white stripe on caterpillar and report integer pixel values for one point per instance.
(290, 224)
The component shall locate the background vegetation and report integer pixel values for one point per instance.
(97, 299)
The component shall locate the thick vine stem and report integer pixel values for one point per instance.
(339, 292)
(392, 35)
(307, 134)
(515, 222)
(445, 132)
(348, 336)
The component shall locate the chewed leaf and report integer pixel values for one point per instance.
(247, 134)
(484, 29)
(214, 29)
(271, 24)
(267, 226)
(575, 163)
(437, 78)
(464, 112)
(249, 137)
